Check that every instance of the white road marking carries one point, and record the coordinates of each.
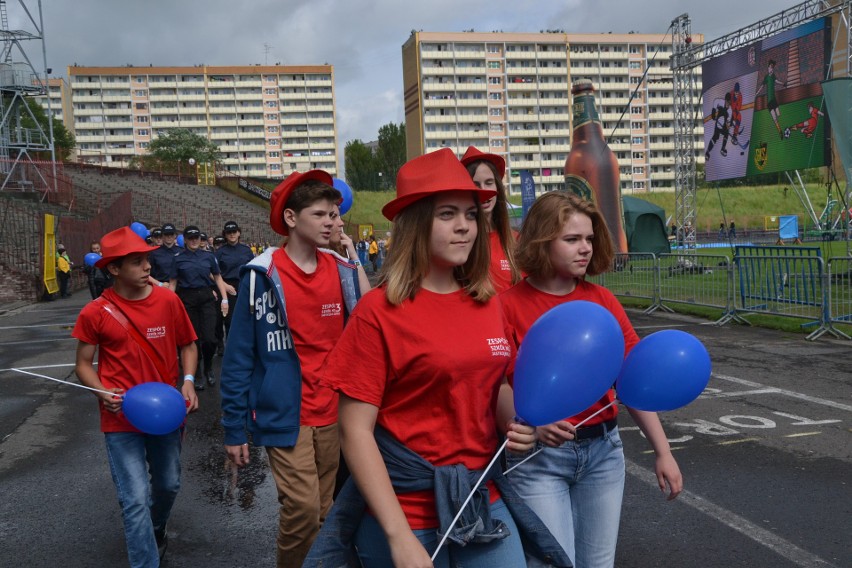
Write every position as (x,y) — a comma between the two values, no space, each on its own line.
(70,324)
(793,394)
(38,367)
(730,519)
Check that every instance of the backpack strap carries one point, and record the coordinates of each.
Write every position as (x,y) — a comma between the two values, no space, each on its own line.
(135,335)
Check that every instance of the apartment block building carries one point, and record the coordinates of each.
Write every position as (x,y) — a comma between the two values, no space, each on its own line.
(268,120)
(58,100)
(509,94)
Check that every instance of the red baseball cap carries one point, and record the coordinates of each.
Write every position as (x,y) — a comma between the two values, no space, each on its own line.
(429,174)
(473,155)
(120,243)
(282,193)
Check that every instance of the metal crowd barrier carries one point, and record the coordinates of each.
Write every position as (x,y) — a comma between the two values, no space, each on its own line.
(779,281)
(840,292)
(633,275)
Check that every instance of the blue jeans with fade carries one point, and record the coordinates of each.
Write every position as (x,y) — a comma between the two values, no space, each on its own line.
(374,552)
(576,489)
(146,473)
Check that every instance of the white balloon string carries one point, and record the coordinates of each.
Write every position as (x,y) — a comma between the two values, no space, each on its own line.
(535,453)
(469,497)
(66,382)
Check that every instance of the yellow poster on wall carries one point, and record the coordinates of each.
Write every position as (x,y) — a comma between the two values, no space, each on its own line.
(49,255)
(206,174)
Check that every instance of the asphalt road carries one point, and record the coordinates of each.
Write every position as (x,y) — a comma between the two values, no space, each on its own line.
(765,454)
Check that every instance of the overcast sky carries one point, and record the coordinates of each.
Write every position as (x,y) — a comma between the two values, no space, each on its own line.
(361,38)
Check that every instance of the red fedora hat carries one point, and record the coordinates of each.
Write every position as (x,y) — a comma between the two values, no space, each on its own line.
(282,193)
(473,155)
(429,174)
(119,243)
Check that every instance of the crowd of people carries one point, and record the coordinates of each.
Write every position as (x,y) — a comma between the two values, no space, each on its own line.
(371,460)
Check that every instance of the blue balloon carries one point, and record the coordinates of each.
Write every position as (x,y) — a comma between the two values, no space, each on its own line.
(664,371)
(154,408)
(179,240)
(140,229)
(568,360)
(346,192)
(91,258)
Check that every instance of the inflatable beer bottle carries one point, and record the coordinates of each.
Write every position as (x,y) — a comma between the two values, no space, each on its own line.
(591,168)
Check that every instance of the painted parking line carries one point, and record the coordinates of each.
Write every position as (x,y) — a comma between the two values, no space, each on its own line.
(800,434)
(730,519)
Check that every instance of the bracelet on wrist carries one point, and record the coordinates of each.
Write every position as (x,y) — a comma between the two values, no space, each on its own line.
(224,302)
(189,378)
(356,262)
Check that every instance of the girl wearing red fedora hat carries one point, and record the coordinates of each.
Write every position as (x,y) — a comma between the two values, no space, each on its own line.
(424,395)
(487,171)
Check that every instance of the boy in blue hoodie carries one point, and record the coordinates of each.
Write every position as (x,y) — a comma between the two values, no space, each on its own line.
(290,312)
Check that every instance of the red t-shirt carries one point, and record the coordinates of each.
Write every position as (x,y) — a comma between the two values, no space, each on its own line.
(160,318)
(433,367)
(523,305)
(501,271)
(314,305)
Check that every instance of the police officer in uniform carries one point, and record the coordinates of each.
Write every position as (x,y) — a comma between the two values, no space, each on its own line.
(157,237)
(193,272)
(232,256)
(163,258)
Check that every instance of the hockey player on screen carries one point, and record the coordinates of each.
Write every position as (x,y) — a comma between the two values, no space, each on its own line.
(769,81)
(720,115)
(807,126)
(736,113)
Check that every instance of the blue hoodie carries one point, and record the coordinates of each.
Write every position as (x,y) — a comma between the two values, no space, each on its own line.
(261,376)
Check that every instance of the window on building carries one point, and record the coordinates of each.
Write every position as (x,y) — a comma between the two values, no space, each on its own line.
(140,93)
(143,132)
(272,129)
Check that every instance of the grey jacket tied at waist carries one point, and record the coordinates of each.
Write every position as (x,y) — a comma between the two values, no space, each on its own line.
(408,471)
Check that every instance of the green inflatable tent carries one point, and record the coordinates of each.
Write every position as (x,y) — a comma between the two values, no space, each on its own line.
(645,225)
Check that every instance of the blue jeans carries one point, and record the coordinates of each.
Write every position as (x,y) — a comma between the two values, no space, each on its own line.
(576,490)
(374,552)
(146,473)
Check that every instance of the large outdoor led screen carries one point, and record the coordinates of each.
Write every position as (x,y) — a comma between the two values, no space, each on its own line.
(763,106)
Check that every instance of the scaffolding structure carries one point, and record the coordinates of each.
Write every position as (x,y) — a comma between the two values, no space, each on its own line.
(686,57)
(21,135)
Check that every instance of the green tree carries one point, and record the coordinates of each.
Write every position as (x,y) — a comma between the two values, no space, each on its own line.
(178,145)
(390,153)
(361,170)
(63,139)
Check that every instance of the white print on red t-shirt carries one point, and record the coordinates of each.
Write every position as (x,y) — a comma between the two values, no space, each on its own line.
(504,265)
(278,340)
(330,310)
(499,347)
(155,332)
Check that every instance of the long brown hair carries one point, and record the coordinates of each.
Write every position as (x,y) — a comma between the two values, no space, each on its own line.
(544,223)
(409,259)
(500,218)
